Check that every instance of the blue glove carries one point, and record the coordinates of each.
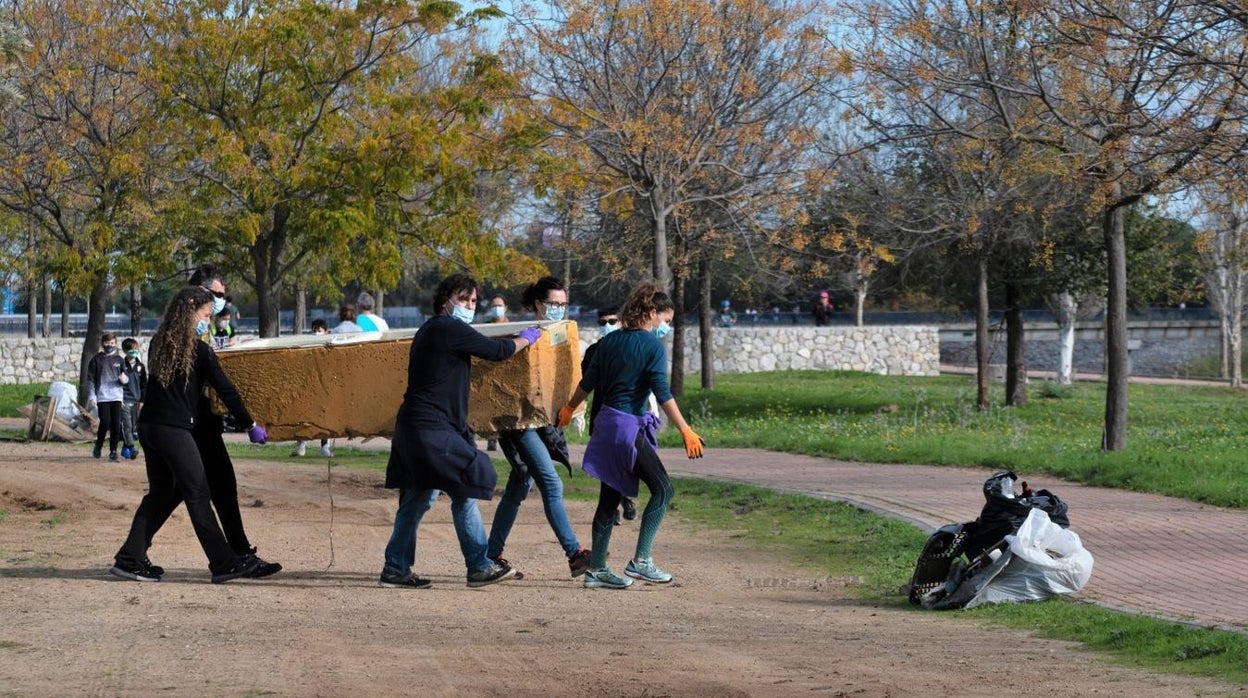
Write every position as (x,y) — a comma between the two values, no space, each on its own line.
(257,434)
(530,334)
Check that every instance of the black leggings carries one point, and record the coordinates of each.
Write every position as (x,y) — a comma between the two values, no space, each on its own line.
(110,422)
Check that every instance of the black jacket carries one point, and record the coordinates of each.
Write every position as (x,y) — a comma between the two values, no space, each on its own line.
(176,405)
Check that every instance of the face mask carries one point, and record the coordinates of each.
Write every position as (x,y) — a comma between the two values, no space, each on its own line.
(608,329)
(497,311)
(555,313)
(201,327)
(110,348)
(133,353)
(462,313)
(218,304)
(662,330)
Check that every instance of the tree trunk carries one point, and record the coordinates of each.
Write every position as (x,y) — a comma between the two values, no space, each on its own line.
(266,256)
(47,307)
(301,309)
(32,311)
(64,312)
(678,337)
(1114,437)
(658,226)
(981,335)
(704,322)
(860,300)
(1067,306)
(1235,333)
(1015,348)
(136,310)
(380,301)
(97,308)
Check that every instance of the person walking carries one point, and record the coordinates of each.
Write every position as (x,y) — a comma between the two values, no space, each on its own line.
(106,390)
(432,449)
(608,322)
(208,431)
(181,366)
(627,366)
(134,378)
(530,453)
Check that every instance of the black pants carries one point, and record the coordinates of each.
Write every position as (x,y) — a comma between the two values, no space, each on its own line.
(175,474)
(650,471)
(110,423)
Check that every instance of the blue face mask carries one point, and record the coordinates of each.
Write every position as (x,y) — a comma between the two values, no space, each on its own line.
(662,330)
(608,329)
(201,327)
(218,304)
(497,311)
(555,312)
(462,313)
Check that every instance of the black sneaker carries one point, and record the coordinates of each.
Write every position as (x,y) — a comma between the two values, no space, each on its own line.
(502,562)
(245,567)
(491,575)
(154,569)
(139,572)
(265,569)
(630,509)
(391,580)
(579,562)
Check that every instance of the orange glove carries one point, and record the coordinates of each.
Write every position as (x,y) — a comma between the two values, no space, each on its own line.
(693,442)
(565,416)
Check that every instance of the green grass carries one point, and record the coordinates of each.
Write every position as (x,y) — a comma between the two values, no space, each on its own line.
(14,396)
(1185,441)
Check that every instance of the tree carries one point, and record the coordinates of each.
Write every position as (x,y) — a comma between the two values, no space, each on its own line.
(80,150)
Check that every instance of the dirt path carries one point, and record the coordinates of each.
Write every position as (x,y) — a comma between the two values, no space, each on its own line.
(735,623)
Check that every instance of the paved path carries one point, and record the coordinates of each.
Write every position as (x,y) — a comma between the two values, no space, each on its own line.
(1154,555)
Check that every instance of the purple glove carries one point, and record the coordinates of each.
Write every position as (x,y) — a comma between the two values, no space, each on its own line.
(257,434)
(530,334)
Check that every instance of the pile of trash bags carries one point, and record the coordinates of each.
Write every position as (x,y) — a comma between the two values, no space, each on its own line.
(1020,548)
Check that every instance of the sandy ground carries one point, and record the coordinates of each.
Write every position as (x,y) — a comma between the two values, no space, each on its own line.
(737,622)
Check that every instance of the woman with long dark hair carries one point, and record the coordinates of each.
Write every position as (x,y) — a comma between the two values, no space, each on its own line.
(627,366)
(180,365)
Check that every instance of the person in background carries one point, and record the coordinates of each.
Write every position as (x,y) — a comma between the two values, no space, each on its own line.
(181,366)
(233,316)
(532,454)
(628,366)
(726,317)
(498,310)
(105,390)
(346,320)
(208,429)
(608,322)
(823,310)
(301,447)
(223,336)
(366,318)
(134,378)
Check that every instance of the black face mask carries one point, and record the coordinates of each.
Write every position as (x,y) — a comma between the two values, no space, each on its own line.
(110,348)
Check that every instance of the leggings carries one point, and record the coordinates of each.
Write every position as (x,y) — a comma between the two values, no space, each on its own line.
(650,470)
(110,422)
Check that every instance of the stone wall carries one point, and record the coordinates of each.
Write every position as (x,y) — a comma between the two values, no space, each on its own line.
(896,350)
(39,360)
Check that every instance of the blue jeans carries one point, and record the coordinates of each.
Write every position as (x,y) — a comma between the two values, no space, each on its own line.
(401,550)
(542,471)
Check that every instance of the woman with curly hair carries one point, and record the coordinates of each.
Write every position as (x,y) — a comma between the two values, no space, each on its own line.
(179,367)
(627,366)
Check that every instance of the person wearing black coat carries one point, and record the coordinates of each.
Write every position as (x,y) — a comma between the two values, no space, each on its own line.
(433,449)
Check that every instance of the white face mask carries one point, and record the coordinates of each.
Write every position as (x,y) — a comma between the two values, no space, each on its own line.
(497,311)
(462,313)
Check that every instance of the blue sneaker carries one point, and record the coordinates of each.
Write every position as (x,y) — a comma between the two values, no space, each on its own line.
(647,572)
(605,579)
(125,452)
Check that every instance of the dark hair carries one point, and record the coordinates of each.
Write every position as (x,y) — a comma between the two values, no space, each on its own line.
(106,337)
(538,291)
(450,287)
(129,343)
(607,310)
(225,314)
(645,298)
(319,324)
(172,349)
(204,275)
(346,313)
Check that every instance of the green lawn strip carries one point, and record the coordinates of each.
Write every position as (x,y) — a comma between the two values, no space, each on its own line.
(15,395)
(835,540)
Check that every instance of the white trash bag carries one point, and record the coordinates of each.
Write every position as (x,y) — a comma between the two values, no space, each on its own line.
(1042,560)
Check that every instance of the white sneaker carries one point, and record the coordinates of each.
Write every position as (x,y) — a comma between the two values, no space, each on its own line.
(326,452)
(300,448)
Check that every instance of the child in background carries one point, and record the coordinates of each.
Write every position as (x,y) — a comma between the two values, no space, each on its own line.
(134,380)
(104,390)
(224,334)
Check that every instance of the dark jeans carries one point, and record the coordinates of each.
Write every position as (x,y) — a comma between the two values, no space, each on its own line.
(110,422)
(175,474)
(222,482)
